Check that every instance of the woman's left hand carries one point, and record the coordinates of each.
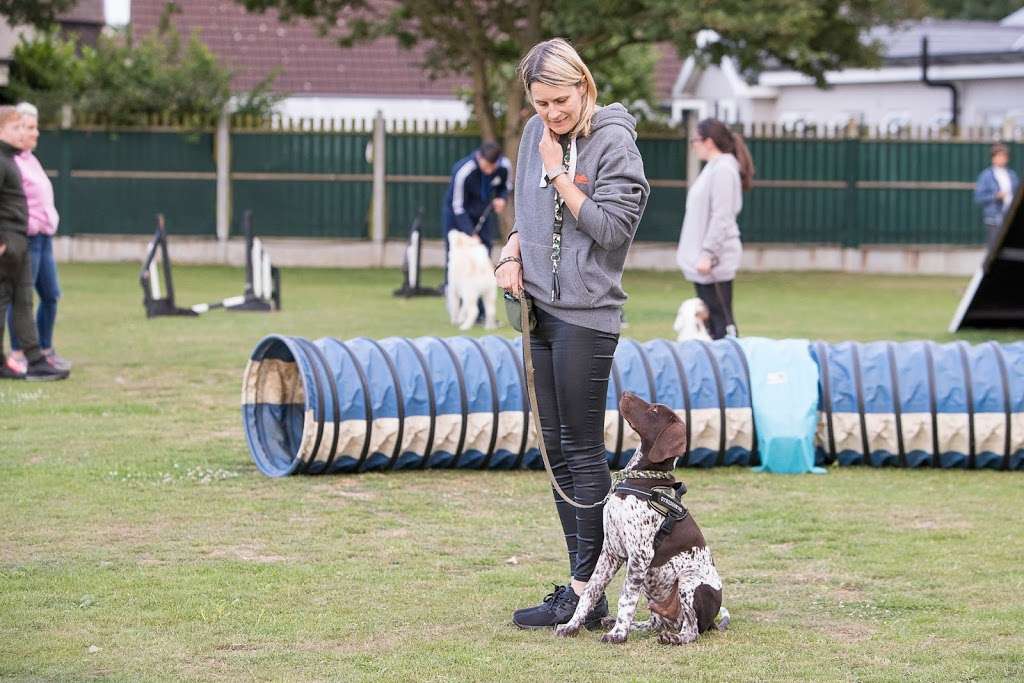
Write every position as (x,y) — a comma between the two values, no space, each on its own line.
(550,151)
(704,264)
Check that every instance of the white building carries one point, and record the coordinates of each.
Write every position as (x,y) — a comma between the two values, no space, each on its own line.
(983,60)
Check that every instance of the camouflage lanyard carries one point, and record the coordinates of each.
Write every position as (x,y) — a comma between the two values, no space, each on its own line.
(556,228)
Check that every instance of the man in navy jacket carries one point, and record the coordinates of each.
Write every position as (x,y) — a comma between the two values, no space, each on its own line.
(479,181)
(994,191)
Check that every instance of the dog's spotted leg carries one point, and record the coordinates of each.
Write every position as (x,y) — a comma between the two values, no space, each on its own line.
(636,570)
(687,632)
(607,565)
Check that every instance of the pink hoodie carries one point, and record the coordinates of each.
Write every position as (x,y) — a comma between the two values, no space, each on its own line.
(42,214)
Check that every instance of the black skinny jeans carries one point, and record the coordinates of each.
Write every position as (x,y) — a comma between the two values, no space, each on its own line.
(571,366)
(719,309)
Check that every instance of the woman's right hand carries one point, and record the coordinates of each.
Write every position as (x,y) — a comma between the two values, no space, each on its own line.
(510,274)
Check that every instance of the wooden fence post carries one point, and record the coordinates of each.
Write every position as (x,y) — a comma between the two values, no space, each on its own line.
(377,226)
(64,172)
(222,143)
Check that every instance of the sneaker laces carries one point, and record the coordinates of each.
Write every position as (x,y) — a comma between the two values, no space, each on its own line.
(555,596)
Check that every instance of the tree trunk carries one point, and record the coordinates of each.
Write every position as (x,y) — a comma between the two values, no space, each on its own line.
(482,102)
(511,135)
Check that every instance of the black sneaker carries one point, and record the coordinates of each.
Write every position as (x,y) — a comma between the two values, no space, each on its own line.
(42,370)
(557,608)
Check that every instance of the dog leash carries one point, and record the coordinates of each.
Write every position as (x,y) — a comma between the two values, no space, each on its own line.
(535,412)
(531,390)
(483,219)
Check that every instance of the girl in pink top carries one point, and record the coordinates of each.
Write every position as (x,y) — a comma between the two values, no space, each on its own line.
(42,225)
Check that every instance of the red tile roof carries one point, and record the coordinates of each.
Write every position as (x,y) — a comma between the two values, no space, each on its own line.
(85,12)
(253,44)
(666,71)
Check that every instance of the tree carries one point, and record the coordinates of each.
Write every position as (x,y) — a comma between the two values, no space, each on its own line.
(484,39)
(982,10)
(38,13)
(126,82)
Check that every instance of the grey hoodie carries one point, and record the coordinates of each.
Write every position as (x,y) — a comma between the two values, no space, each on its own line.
(610,172)
(709,224)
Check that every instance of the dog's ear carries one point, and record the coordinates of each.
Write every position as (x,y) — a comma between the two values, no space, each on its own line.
(669,444)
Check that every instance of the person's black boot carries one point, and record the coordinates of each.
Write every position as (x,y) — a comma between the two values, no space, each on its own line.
(42,370)
(557,608)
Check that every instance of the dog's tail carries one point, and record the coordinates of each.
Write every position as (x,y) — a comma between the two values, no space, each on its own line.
(722,620)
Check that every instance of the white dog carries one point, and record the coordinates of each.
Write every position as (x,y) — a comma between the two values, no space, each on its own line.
(691,321)
(470,277)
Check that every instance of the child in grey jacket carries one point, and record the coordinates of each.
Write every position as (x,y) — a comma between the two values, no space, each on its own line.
(709,242)
(580,193)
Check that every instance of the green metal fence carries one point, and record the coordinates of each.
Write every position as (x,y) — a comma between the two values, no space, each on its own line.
(301,183)
(113,182)
(318,183)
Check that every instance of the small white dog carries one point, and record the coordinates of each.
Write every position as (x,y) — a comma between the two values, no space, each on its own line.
(470,277)
(691,321)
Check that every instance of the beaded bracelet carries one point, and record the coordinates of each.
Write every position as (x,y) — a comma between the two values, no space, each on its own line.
(508,259)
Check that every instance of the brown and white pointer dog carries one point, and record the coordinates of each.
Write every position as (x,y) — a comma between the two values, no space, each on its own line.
(679,580)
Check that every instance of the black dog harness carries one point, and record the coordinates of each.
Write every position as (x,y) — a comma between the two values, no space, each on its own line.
(665,500)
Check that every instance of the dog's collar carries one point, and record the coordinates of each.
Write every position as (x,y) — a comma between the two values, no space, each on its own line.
(623,475)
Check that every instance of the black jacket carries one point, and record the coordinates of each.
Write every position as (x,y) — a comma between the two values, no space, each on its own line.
(13,205)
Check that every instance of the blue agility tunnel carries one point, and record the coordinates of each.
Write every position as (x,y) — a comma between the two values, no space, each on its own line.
(920,403)
(365,405)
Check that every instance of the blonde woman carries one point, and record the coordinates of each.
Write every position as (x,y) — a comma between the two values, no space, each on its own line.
(580,194)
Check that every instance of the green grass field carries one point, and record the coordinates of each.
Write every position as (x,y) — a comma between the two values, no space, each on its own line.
(139,542)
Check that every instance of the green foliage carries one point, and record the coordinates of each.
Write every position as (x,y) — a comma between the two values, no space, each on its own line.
(46,72)
(982,10)
(484,39)
(122,82)
(39,13)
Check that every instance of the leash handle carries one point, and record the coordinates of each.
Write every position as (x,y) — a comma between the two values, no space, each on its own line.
(535,412)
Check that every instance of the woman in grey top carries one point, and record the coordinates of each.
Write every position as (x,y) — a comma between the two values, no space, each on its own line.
(579,175)
(709,242)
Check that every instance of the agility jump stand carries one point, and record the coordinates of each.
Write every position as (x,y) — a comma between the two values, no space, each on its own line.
(159,302)
(262,279)
(411,264)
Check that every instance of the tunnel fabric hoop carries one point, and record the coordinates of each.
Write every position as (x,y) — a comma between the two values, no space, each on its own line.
(364,405)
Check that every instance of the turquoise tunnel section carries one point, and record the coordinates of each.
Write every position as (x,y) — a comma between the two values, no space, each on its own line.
(365,405)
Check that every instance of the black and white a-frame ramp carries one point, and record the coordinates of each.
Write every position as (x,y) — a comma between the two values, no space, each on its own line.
(995,295)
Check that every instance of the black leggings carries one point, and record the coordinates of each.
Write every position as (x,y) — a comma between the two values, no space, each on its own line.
(719,309)
(571,365)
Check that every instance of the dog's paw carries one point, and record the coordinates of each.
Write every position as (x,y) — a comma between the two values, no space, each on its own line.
(613,636)
(566,630)
(608,621)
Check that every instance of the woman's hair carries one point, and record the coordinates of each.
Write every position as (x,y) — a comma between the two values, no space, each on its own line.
(27,109)
(999,148)
(8,114)
(729,142)
(554,62)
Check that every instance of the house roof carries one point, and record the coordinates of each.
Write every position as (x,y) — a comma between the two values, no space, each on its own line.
(666,71)
(949,39)
(310,64)
(84,12)
(253,44)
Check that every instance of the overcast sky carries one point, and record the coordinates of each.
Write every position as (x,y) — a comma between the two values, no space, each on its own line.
(117,11)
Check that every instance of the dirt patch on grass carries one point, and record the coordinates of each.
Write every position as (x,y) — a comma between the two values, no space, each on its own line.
(246,553)
(921,521)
